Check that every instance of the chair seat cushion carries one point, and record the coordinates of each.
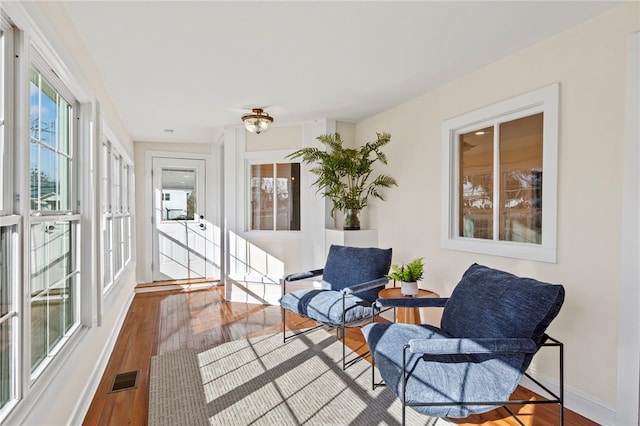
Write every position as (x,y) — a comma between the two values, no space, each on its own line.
(440,378)
(326,306)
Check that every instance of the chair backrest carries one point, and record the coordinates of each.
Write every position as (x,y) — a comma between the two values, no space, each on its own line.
(492,303)
(347,266)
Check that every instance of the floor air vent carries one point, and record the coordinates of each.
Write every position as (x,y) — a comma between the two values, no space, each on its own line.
(124,381)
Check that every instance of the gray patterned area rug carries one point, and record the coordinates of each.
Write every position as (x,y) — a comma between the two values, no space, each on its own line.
(261,381)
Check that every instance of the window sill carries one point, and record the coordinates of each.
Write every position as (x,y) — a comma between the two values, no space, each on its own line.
(535,252)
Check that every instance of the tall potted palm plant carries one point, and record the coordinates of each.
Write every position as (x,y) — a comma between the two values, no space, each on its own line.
(344,175)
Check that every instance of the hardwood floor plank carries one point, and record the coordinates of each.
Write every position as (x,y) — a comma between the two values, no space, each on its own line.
(167,321)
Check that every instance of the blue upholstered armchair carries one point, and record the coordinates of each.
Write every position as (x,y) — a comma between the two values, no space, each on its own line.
(351,280)
(492,326)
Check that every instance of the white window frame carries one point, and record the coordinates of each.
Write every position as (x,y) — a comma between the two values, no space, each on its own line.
(115,202)
(13,316)
(13,257)
(6,88)
(544,100)
(71,216)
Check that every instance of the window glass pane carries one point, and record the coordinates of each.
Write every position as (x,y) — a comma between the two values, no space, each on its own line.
(48,112)
(262,197)
(116,195)
(34,97)
(69,303)
(5,263)
(104,196)
(476,184)
(178,194)
(117,245)
(125,188)
(126,237)
(7,327)
(55,317)
(35,175)
(107,252)
(48,197)
(51,273)
(64,183)
(58,251)
(39,270)
(50,159)
(63,127)
(521,180)
(6,373)
(38,328)
(288,197)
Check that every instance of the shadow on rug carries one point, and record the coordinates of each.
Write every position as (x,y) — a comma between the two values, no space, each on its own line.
(261,381)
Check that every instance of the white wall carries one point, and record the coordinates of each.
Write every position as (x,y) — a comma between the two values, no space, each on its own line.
(589,62)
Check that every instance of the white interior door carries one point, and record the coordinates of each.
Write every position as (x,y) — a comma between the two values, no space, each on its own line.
(181,238)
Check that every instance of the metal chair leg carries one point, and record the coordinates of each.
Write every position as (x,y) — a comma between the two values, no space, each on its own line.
(284,325)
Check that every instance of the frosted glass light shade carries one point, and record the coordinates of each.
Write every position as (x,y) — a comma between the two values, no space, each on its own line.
(257,121)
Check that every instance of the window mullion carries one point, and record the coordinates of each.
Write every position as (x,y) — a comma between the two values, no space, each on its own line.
(496,182)
(274,195)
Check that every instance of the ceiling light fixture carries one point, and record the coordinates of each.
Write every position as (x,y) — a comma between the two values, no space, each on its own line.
(257,121)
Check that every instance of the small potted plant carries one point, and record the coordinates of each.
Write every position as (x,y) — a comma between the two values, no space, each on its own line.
(408,275)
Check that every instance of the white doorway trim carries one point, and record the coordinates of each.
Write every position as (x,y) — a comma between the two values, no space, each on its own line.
(182,245)
(212,200)
(628,394)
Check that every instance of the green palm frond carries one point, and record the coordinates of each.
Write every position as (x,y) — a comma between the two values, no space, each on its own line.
(343,174)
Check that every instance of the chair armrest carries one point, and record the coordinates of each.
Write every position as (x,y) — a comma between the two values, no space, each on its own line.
(412,302)
(357,288)
(472,346)
(304,275)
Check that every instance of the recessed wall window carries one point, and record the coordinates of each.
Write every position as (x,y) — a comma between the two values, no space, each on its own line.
(516,173)
(275,197)
(500,177)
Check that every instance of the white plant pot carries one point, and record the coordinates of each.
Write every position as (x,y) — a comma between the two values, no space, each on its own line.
(409,288)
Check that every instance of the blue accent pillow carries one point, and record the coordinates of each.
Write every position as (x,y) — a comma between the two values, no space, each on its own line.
(347,266)
(492,303)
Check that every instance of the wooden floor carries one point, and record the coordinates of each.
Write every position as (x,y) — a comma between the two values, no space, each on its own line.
(167,321)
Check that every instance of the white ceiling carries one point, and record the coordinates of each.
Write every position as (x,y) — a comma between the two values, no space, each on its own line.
(195,67)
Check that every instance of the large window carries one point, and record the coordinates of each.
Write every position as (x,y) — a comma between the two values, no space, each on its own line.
(501,178)
(9,234)
(275,197)
(54,266)
(512,152)
(116,214)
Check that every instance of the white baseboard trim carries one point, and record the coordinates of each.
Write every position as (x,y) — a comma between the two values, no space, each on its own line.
(575,400)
